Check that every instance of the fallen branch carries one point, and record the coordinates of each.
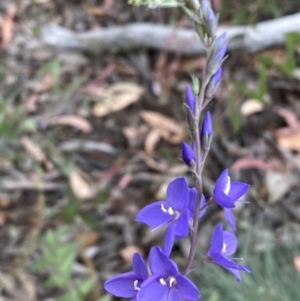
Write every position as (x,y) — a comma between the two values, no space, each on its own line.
(29,185)
(156,36)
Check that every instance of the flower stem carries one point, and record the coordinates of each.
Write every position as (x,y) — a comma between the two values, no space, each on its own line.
(199,188)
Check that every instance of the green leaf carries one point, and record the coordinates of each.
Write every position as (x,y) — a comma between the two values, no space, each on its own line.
(56,280)
(84,286)
(214,297)
(80,290)
(106,297)
(28,125)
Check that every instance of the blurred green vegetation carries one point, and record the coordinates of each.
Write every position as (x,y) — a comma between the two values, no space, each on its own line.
(273,278)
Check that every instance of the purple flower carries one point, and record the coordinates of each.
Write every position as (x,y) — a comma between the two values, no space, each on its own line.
(166,283)
(188,154)
(127,285)
(190,99)
(226,193)
(206,131)
(173,212)
(213,83)
(223,244)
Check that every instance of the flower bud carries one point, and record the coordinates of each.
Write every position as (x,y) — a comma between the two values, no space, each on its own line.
(211,23)
(206,131)
(190,98)
(188,154)
(219,48)
(213,83)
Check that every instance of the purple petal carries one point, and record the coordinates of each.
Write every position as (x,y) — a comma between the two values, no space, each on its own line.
(178,194)
(202,204)
(207,127)
(169,240)
(236,273)
(187,289)
(139,266)
(221,182)
(190,98)
(122,285)
(227,263)
(237,190)
(229,243)
(188,154)
(152,289)
(222,199)
(230,218)
(154,215)
(217,240)
(192,200)
(181,228)
(173,295)
(161,264)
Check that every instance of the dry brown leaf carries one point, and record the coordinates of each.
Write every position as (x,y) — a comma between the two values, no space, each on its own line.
(28,285)
(297,263)
(178,169)
(278,184)
(31,103)
(251,106)
(118,97)
(151,141)
(33,149)
(132,132)
(44,85)
(249,162)
(77,122)
(87,239)
(80,186)
(7,29)
(169,129)
(98,11)
(191,65)
(36,152)
(2,218)
(153,164)
(162,191)
(5,202)
(289,116)
(289,140)
(125,181)
(128,252)
(123,68)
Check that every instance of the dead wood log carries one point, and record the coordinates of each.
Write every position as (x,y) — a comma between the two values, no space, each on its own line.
(251,38)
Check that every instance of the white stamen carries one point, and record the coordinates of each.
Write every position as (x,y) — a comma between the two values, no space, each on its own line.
(135,285)
(224,247)
(162,281)
(163,209)
(171,211)
(227,188)
(172,280)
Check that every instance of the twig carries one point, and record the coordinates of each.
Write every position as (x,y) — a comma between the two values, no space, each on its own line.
(251,38)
